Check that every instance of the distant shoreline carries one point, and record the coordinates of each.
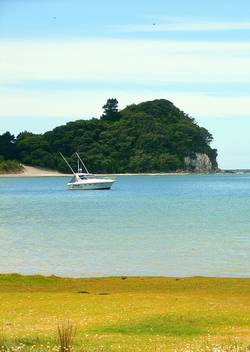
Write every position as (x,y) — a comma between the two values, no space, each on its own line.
(30,171)
(56,174)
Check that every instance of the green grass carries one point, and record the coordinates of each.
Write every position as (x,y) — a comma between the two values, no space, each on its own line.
(178,325)
(124,314)
(9,166)
(160,325)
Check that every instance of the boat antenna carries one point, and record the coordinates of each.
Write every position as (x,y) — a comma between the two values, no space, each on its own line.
(78,156)
(67,163)
(78,165)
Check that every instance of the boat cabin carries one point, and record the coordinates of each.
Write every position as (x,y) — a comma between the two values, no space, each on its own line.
(82,176)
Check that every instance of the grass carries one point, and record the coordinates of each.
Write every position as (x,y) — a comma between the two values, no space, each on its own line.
(9,166)
(124,314)
(65,332)
(161,325)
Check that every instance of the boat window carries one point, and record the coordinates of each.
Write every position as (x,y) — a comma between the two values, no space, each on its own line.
(73,179)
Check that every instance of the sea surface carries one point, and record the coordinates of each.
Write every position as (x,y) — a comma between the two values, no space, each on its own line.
(145,225)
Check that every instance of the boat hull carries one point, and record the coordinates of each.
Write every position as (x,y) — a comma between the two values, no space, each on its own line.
(93,186)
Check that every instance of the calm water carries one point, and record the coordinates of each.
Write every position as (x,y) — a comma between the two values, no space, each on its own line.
(146,225)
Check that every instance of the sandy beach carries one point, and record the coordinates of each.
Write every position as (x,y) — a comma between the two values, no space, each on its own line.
(30,171)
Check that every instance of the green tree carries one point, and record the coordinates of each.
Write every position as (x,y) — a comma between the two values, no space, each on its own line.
(7,146)
(110,110)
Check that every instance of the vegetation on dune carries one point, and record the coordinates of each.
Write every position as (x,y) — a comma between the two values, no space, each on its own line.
(124,314)
(153,136)
(9,166)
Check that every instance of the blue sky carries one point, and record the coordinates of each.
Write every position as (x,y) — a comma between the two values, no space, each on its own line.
(60,61)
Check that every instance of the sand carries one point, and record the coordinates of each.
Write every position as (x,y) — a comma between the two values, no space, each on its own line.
(30,171)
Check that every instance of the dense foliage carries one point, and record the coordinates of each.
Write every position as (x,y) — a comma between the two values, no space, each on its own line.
(8,152)
(153,136)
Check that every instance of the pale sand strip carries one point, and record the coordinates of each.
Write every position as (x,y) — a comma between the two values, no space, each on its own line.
(30,171)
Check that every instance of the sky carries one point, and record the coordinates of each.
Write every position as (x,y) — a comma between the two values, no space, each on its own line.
(60,60)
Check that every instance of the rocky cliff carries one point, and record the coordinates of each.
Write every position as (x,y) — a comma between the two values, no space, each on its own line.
(200,163)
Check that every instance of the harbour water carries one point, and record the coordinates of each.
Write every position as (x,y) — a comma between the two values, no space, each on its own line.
(145,225)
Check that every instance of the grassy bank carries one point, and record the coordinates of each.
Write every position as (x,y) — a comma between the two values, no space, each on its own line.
(125,314)
(10,166)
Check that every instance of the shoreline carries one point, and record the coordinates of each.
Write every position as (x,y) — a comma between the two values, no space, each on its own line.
(30,171)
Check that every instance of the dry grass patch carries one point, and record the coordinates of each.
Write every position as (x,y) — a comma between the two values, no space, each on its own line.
(66,332)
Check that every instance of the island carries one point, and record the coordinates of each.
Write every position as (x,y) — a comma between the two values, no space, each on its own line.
(150,137)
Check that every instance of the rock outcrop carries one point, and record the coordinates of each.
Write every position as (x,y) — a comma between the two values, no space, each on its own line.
(200,164)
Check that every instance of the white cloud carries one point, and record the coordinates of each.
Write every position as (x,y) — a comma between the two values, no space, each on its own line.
(85,104)
(125,60)
(120,61)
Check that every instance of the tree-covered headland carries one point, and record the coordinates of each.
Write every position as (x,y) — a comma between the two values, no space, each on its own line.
(153,136)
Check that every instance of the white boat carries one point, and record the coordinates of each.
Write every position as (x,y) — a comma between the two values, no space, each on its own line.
(86,181)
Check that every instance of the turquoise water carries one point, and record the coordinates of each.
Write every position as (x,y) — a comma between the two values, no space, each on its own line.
(146,225)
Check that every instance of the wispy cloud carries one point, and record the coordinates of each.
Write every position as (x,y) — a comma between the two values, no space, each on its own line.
(85,104)
(127,62)
(183,25)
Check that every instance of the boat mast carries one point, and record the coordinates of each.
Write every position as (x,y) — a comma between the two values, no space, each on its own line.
(78,156)
(67,163)
(78,165)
